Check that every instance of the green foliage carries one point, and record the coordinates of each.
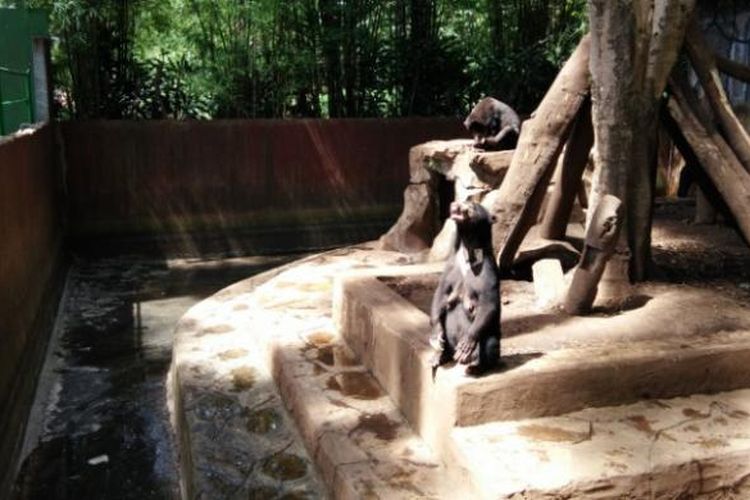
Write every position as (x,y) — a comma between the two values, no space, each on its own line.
(146,59)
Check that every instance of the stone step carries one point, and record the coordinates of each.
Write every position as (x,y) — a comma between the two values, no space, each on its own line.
(267,402)
(361,443)
(693,447)
(263,387)
(670,344)
(260,346)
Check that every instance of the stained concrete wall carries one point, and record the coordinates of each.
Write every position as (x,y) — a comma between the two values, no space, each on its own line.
(30,277)
(240,186)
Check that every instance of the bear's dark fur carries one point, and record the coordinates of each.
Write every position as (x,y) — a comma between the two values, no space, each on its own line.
(465,313)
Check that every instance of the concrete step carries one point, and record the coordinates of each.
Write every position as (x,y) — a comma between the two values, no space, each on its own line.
(671,343)
(694,447)
(361,443)
(262,388)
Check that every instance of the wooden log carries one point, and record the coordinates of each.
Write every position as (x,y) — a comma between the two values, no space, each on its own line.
(700,177)
(708,74)
(732,68)
(715,157)
(705,213)
(542,137)
(568,177)
(601,239)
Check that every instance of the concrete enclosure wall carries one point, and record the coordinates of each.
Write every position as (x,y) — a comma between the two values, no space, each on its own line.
(248,186)
(30,276)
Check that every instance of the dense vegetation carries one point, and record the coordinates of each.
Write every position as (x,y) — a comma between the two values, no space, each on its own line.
(317,58)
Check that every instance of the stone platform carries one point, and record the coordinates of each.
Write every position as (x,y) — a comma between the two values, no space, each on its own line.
(266,391)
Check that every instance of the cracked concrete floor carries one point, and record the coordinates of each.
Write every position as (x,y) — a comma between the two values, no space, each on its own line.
(99,426)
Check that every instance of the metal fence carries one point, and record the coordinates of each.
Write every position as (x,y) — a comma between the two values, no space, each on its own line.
(25,101)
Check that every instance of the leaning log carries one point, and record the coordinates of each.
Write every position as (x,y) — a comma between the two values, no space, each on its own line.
(715,157)
(568,177)
(732,68)
(708,75)
(542,137)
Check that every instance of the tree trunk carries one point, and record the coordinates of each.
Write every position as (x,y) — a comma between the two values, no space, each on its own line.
(420,57)
(350,48)
(330,16)
(497,34)
(633,48)
(542,137)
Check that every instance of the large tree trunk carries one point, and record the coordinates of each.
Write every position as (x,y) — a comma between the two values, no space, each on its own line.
(634,45)
(542,137)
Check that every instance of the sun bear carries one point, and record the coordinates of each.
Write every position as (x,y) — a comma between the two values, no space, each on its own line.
(493,124)
(465,312)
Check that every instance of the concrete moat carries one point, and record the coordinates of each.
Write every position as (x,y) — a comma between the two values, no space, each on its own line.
(100,426)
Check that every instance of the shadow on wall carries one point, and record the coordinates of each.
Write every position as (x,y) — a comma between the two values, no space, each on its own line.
(239,187)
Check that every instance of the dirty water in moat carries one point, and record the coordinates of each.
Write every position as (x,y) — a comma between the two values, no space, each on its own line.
(100,427)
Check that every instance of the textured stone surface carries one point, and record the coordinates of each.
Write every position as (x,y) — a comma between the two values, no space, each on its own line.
(667,345)
(265,351)
(549,282)
(418,222)
(474,174)
(696,447)
(669,339)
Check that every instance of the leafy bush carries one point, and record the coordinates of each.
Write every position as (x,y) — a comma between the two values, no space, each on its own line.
(147,59)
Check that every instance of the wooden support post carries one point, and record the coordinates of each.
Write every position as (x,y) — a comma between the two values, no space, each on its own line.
(542,137)
(733,68)
(705,213)
(715,157)
(708,74)
(568,177)
(601,239)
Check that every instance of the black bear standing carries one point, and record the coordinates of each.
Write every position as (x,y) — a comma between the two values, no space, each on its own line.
(465,313)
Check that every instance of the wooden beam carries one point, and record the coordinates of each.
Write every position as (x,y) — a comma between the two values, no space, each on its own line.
(541,140)
(715,157)
(708,74)
(732,68)
(568,177)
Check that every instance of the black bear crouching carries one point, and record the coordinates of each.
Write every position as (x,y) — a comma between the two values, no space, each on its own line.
(493,124)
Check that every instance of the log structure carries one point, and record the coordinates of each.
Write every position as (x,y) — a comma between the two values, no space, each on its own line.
(705,67)
(568,177)
(713,154)
(542,138)
(611,92)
